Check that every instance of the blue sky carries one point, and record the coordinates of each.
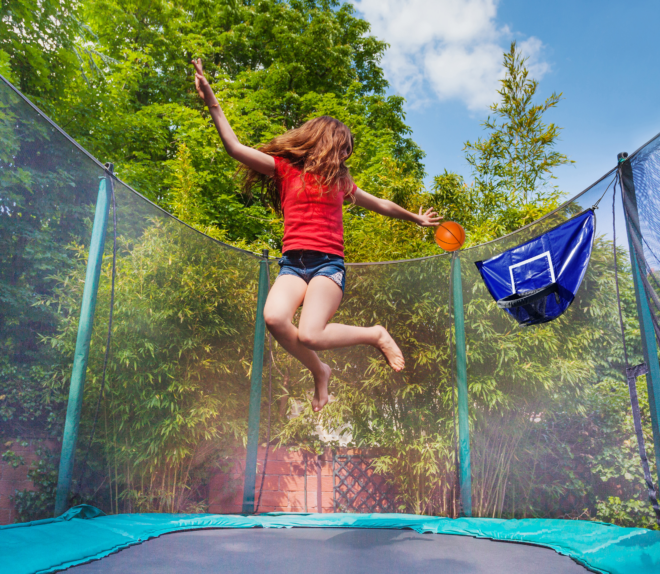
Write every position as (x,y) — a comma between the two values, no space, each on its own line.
(445,58)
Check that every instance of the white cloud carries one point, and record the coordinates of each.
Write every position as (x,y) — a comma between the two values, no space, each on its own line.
(532,48)
(445,49)
(468,73)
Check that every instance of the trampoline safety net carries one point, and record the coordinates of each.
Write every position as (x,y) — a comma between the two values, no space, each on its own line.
(551,430)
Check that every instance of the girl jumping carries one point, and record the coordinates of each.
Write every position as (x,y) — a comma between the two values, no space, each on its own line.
(306,180)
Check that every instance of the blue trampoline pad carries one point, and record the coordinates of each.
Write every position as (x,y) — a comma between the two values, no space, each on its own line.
(325,542)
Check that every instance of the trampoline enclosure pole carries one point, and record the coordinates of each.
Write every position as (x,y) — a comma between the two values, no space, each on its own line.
(649,344)
(650,350)
(85,325)
(464,473)
(255,390)
(319,483)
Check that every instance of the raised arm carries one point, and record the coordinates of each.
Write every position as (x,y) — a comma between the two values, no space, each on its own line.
(258,161)
(428,218)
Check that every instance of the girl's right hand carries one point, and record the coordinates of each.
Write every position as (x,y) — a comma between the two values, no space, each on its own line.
(254,159)
(201,83)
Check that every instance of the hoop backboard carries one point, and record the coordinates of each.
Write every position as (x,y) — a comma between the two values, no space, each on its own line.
(531,272)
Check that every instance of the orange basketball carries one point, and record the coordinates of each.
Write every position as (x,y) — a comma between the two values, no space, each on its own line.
(450,235)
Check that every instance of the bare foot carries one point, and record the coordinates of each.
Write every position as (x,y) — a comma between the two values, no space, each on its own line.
(321,389)
(390,350)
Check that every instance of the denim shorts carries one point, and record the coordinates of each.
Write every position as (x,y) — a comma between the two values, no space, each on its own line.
(308,264)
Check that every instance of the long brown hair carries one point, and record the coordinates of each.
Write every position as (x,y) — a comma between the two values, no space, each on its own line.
(318,147)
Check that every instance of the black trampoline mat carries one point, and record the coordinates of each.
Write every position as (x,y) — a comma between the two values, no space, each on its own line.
(331,551)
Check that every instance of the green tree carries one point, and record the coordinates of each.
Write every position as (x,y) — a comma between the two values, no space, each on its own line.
(37,41)
(274,64)
(44,47)
(513,166)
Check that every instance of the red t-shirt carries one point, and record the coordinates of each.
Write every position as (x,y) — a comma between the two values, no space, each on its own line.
(312,220)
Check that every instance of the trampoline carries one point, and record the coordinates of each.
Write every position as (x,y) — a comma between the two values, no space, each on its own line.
(329,551)
(282,542)
(163,431)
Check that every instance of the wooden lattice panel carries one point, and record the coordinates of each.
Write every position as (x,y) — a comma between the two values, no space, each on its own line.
(357,488)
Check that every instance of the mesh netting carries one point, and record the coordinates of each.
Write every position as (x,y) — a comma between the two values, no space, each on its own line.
(643,211)
(401,421)
(177,386)
(544,421)
(640,201)
(551,433)
(646,173)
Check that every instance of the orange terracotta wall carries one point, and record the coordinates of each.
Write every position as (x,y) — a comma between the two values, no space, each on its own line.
(283,484)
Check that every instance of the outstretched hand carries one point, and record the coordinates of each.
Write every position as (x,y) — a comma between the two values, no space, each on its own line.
(428,219)
(202,85)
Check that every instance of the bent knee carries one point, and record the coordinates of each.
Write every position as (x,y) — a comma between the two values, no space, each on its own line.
(311,339)
(275,321)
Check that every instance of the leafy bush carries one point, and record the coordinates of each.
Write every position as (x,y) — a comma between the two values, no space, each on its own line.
(632,513)
(40,502)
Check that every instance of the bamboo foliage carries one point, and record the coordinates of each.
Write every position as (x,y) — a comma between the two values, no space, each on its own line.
(547,412)
(177,382)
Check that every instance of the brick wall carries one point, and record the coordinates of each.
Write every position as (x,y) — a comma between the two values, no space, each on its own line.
(283,488)
(13,479)
(284,483)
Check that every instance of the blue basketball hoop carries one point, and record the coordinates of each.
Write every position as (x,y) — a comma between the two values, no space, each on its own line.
(537,281)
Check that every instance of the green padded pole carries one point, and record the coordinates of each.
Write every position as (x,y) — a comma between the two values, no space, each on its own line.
(650,349)
(255,390)
(464,473)
(649,343)
(70,437)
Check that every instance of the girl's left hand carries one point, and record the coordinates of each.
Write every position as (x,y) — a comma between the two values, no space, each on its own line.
(428,219)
